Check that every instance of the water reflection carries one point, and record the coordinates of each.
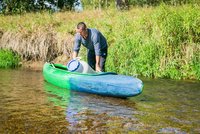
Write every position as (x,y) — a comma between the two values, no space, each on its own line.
(24,107)
(87,112)
(60,97)
(30,105)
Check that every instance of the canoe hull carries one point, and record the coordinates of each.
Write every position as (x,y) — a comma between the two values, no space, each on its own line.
(108,84)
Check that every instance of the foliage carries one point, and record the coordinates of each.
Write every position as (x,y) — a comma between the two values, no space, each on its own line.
(158,2)
(125,4)
(161,41)
(165,44)
(8,59)
(21,6)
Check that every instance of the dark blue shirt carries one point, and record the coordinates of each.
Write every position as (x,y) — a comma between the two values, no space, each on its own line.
(95,41)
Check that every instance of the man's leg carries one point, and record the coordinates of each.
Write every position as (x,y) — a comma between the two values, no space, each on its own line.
(91,59)
(103,59)
(102,63)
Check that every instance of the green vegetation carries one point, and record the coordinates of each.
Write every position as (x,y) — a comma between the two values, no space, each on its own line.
(23,6)
(164,43)
(153,42)
(8,59)
(128,4)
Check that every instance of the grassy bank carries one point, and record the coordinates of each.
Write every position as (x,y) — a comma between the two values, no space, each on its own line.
(8,59)
(153,42)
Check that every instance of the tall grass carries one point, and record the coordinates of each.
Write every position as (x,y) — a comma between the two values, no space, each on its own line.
(154,42)
(8,59)
(164,43)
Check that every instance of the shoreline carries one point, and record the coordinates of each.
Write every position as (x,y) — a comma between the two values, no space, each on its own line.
(38,65)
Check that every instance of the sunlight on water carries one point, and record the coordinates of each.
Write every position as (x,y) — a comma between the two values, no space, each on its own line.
(29,104)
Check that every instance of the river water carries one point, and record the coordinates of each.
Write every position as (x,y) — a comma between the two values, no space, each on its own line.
(28,104)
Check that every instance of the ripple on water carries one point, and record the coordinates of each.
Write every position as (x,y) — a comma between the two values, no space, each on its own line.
(30,105)
(100,113)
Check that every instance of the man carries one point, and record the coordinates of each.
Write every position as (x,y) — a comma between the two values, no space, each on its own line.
(95,43)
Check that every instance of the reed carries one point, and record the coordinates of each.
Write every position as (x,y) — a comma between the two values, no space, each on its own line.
(157,42)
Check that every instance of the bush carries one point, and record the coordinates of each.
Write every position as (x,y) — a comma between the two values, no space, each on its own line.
(8,59)
(165,43)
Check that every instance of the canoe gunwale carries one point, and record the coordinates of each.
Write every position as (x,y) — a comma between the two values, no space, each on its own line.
(62,68)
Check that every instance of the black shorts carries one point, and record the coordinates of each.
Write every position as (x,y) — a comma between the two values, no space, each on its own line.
(91,58)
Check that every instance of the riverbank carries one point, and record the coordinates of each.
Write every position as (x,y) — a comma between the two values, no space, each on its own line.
(38,65)
(159,42)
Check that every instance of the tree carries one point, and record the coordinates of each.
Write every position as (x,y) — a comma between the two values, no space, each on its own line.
(20,6)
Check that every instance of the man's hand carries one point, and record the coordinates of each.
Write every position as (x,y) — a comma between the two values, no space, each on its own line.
(98,69)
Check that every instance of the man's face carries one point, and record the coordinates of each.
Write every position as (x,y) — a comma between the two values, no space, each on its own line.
(82,32)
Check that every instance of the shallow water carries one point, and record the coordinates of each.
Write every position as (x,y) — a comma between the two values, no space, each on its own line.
(28,104)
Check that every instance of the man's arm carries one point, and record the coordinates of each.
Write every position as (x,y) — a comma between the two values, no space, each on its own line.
(75,54)
(96,41)
(97,66)
(77,45)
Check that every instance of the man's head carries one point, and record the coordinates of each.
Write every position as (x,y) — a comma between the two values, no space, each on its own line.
(82,29)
